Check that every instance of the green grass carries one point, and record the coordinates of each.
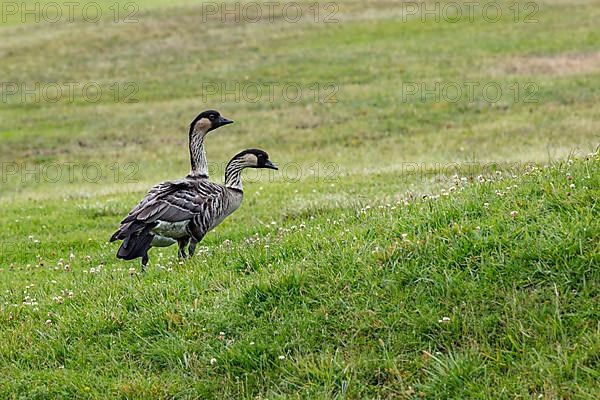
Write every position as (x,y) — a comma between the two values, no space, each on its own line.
(354,299)
(347,272)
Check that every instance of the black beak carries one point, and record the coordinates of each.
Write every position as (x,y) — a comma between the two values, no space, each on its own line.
(224,121)
(270,165)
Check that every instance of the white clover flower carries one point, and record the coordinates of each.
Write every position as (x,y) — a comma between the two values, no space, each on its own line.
(213,361)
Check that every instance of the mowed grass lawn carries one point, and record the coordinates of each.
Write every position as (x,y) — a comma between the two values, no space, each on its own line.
(414,244)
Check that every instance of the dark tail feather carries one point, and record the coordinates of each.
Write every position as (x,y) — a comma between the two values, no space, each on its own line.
(127,229)
(135,246)
(115,236)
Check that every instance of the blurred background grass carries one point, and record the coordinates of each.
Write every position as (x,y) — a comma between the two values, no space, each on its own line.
(173,54)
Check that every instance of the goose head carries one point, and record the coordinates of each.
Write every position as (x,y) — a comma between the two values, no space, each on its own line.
(208,121)
(254,158)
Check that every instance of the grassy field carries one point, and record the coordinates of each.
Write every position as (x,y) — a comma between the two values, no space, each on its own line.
(416,243)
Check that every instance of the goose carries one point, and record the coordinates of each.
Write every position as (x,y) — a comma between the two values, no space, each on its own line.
(200,126)
(185,210)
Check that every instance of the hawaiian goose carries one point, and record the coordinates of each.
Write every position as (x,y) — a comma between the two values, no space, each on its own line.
(184,211)
(204,123)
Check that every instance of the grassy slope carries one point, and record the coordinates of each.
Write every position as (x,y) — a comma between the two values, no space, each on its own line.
(351,297)
(355,316)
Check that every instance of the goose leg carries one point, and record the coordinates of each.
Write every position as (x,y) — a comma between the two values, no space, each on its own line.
(192,247)
(182,243)
(196,235)
(193,243)
(144,261)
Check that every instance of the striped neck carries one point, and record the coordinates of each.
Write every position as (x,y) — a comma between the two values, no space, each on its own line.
(233,174)
(199,164)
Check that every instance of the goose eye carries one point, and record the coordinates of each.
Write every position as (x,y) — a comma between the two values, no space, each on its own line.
(212,117)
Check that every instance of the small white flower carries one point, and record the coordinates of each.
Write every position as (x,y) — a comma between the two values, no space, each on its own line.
(444,320)
(572,186)
(213,361)
(282,357)
(486,205)
(514,214)
(48,322)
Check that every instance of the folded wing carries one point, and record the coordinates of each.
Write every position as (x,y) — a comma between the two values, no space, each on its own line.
(174,201)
